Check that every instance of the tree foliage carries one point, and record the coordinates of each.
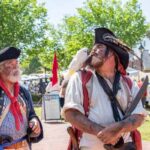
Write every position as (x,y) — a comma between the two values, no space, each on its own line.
(33,66)
(45,52)
(22,23)
(126,20)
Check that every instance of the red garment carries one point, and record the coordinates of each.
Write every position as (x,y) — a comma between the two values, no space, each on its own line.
(136,136)
(54,70)
(14,106)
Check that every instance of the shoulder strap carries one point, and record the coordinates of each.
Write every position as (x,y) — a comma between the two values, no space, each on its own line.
(111,95)
(86,76)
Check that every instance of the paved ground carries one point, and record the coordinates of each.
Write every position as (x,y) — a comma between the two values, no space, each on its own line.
(56,137)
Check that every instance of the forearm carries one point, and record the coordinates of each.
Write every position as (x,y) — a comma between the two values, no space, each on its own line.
(111,133)
(81,122)
(132,122)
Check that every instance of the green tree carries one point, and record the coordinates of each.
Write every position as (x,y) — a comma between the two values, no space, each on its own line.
(23,23)
(45,51)
(126,20)
(32,66)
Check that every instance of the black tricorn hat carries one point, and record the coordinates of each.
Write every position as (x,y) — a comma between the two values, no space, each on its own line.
(9,53)
(107,37)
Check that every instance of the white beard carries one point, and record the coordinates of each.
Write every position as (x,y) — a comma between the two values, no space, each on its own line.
(15,75)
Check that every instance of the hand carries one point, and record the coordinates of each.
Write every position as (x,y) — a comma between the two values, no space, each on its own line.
(35,127)
(110,134)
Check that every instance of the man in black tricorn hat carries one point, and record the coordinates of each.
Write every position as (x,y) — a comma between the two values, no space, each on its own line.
(110,93)
(19,125)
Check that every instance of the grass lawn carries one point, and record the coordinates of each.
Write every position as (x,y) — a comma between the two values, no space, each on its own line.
(38,111)
(144,129)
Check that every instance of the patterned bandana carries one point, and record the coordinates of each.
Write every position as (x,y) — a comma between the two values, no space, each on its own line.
(14,106)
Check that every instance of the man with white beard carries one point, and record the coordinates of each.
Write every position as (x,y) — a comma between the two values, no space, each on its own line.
(19,125)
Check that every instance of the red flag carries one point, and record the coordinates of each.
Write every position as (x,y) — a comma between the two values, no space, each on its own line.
(54,70)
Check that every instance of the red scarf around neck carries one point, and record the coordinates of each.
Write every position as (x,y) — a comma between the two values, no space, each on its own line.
(14,106)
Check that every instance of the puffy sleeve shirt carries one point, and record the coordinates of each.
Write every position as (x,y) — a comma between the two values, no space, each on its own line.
(100,110)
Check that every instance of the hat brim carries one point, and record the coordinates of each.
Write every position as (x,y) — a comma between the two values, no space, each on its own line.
(122,54)
(9,53)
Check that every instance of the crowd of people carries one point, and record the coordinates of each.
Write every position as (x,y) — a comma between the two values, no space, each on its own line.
(36,86)
(95,95)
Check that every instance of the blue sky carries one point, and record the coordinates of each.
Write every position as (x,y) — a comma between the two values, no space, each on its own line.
(57,9)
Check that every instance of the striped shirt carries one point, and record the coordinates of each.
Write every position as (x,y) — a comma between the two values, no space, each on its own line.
(8,125)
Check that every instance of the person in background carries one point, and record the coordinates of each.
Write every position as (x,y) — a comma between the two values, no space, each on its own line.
(19,124)
(62,92)
(42,87)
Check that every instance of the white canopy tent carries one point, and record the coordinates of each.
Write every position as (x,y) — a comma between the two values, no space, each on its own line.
(133,73)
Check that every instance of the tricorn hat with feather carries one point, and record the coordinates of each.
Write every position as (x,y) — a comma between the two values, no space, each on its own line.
(107,37)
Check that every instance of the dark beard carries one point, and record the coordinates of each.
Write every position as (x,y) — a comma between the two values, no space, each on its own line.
(96,62)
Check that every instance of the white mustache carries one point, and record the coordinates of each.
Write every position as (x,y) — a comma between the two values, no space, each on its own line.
(15,75)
